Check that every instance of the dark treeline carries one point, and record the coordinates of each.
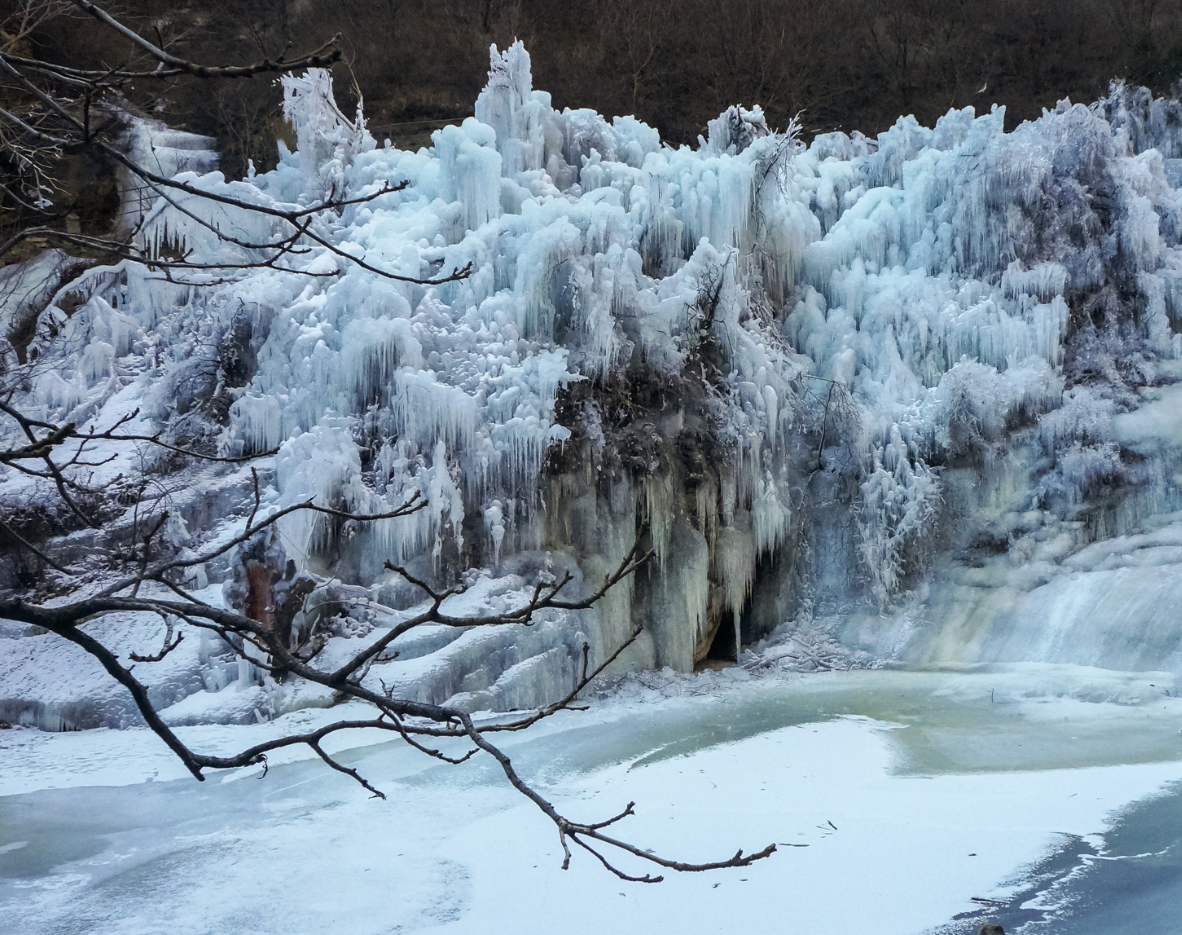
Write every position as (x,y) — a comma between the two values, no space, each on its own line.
(842,64)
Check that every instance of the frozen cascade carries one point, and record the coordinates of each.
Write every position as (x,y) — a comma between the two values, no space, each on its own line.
(923,387)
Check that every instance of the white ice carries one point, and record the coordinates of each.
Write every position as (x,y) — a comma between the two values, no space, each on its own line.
(912,792)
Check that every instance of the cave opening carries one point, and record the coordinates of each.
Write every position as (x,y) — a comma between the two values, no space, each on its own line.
(722,646)
(762,611)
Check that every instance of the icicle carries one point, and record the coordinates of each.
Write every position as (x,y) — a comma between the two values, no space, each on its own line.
(658,511)
(494,522)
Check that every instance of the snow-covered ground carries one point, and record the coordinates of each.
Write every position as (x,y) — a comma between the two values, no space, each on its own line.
(913,791)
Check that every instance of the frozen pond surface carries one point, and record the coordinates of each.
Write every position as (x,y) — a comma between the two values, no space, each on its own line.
(1127,881)
(1050,791)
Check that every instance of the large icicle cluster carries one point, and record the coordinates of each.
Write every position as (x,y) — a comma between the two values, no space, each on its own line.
(823,329)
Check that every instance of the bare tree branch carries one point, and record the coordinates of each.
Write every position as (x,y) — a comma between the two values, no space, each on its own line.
(169,645)
(62,124)
(56,114)
(322,57)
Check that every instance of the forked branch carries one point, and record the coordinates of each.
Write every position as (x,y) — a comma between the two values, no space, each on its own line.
(406,718)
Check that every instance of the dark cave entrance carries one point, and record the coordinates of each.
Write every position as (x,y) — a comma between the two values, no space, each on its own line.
(760,614)
(722,646)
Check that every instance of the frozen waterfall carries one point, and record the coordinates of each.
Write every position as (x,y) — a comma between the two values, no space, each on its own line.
(919,394)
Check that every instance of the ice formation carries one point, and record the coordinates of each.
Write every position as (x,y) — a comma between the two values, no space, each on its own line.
(809,375)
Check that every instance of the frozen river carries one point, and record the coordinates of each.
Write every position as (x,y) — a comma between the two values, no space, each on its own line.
(924,801)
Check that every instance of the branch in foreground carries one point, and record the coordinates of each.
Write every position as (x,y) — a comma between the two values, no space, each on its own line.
(61,123)
(577,831)
(327,54)
(409,719)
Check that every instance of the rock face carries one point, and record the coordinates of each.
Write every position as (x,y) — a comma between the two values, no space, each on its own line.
(911,391)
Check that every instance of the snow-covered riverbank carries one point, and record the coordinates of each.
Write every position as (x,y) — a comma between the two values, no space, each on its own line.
(914,793)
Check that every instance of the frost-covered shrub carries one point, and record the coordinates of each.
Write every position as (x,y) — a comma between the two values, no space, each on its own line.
(324,135)
(1085,418)
(975,406)
(734,130)
(900,503)
(1078,436)
(1079,468)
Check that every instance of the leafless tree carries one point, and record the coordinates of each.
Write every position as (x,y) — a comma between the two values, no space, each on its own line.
(58,111)
(151,581)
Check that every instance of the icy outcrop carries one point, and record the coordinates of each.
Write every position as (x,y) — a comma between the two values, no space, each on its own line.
(810,375)
(163,151)
(26,289)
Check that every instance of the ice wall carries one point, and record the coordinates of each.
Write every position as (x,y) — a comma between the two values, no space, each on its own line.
(810,376)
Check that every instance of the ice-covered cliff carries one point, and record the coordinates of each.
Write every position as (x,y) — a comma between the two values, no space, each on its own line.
(921,393)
